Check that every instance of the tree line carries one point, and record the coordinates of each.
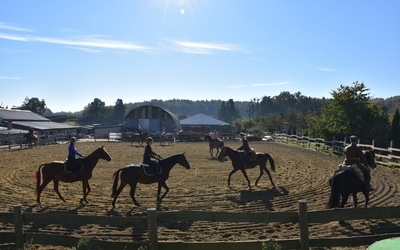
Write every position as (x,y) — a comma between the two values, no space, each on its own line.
(350,110)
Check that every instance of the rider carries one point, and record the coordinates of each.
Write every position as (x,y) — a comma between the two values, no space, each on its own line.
(30,133)
(148,155)
(215,135)
(245,148)
(354,155)
(72,152)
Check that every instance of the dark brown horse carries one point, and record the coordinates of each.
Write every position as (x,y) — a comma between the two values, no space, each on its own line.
(31,139)
(238,163)
(133,175)
(139,138)
(55,171)
(346,182)
(213,143)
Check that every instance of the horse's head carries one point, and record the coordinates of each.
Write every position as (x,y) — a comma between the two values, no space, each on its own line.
(103,154)
(222,153)
(183,161)
(207,137)
(370,155)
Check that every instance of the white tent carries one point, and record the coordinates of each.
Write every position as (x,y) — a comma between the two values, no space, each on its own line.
(202,120)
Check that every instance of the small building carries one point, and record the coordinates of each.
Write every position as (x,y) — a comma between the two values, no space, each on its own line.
(204,124)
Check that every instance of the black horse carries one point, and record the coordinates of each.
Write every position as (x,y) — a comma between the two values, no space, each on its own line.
(214,143)
(133,175)
(346,182)
(239,164)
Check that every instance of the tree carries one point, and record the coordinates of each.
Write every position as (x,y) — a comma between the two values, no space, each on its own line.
(95,110)
(350,112)
(33,104)
(394,133)
(119,110)
(228,112)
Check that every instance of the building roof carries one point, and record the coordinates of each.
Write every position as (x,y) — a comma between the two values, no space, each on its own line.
(45,125)
(20,115)
(202,119)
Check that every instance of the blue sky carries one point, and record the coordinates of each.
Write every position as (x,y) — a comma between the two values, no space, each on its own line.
(71,52)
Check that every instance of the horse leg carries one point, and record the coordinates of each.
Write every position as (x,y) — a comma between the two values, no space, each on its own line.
(121,186)
(56,182)
(366,194)
(268,173)
(86,190)
(245,175)
(132,194)
(355,200)
(230,174)
(345,197)
(46,181)
(164,185)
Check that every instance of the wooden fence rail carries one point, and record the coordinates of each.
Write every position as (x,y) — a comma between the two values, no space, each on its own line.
(384,156)
(155,218)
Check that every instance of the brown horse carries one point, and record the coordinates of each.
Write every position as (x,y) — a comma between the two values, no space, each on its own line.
(55,171)
(133,175)
(167,137)
(238,163)
(139,138)
(214,143)
(346,182)
(30,139)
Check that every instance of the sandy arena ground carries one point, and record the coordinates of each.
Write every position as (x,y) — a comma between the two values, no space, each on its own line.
(300,174)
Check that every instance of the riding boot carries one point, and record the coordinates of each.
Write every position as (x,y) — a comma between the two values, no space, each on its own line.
(367,176)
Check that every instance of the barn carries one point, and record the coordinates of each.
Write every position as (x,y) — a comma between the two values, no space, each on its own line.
(14,123)
(150,118)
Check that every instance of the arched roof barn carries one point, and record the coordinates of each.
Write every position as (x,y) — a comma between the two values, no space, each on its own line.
(150,118)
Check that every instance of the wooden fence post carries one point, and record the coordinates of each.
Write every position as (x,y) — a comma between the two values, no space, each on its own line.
(303,225)
(152,225)
(18,226)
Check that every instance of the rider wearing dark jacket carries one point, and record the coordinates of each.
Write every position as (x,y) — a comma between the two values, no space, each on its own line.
(149,155)
(245,148)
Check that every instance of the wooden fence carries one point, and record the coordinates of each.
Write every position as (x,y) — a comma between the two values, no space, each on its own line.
(384,156)
(302,217)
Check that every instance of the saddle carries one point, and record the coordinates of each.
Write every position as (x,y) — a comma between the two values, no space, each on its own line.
(354,168)
(73,167)
(150,170)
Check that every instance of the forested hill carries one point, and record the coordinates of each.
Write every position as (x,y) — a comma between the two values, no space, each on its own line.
(182,108)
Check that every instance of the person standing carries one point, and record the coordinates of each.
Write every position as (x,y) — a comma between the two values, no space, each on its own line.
(354,155)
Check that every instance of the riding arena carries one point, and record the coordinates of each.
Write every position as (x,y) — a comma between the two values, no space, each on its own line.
(300,174)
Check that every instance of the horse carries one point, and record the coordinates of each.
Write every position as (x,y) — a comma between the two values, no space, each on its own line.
(133,175)
(31,139)
(213,143)
(139,138)
(346,182)
(239,164)
(169,137)
(55,171)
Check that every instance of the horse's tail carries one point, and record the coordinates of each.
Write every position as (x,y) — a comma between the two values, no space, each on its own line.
(271,162)
(38,178)
(115,184)
(334,195)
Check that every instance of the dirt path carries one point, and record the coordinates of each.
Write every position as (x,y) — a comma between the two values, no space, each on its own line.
(300,174)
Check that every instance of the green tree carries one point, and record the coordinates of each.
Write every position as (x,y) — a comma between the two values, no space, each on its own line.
(394,132)
(35,105)
(350,112)
(119,110)
(94,111)
(228,112)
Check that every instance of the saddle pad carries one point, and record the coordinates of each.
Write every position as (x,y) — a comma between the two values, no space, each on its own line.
(353,168)
(148,170)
